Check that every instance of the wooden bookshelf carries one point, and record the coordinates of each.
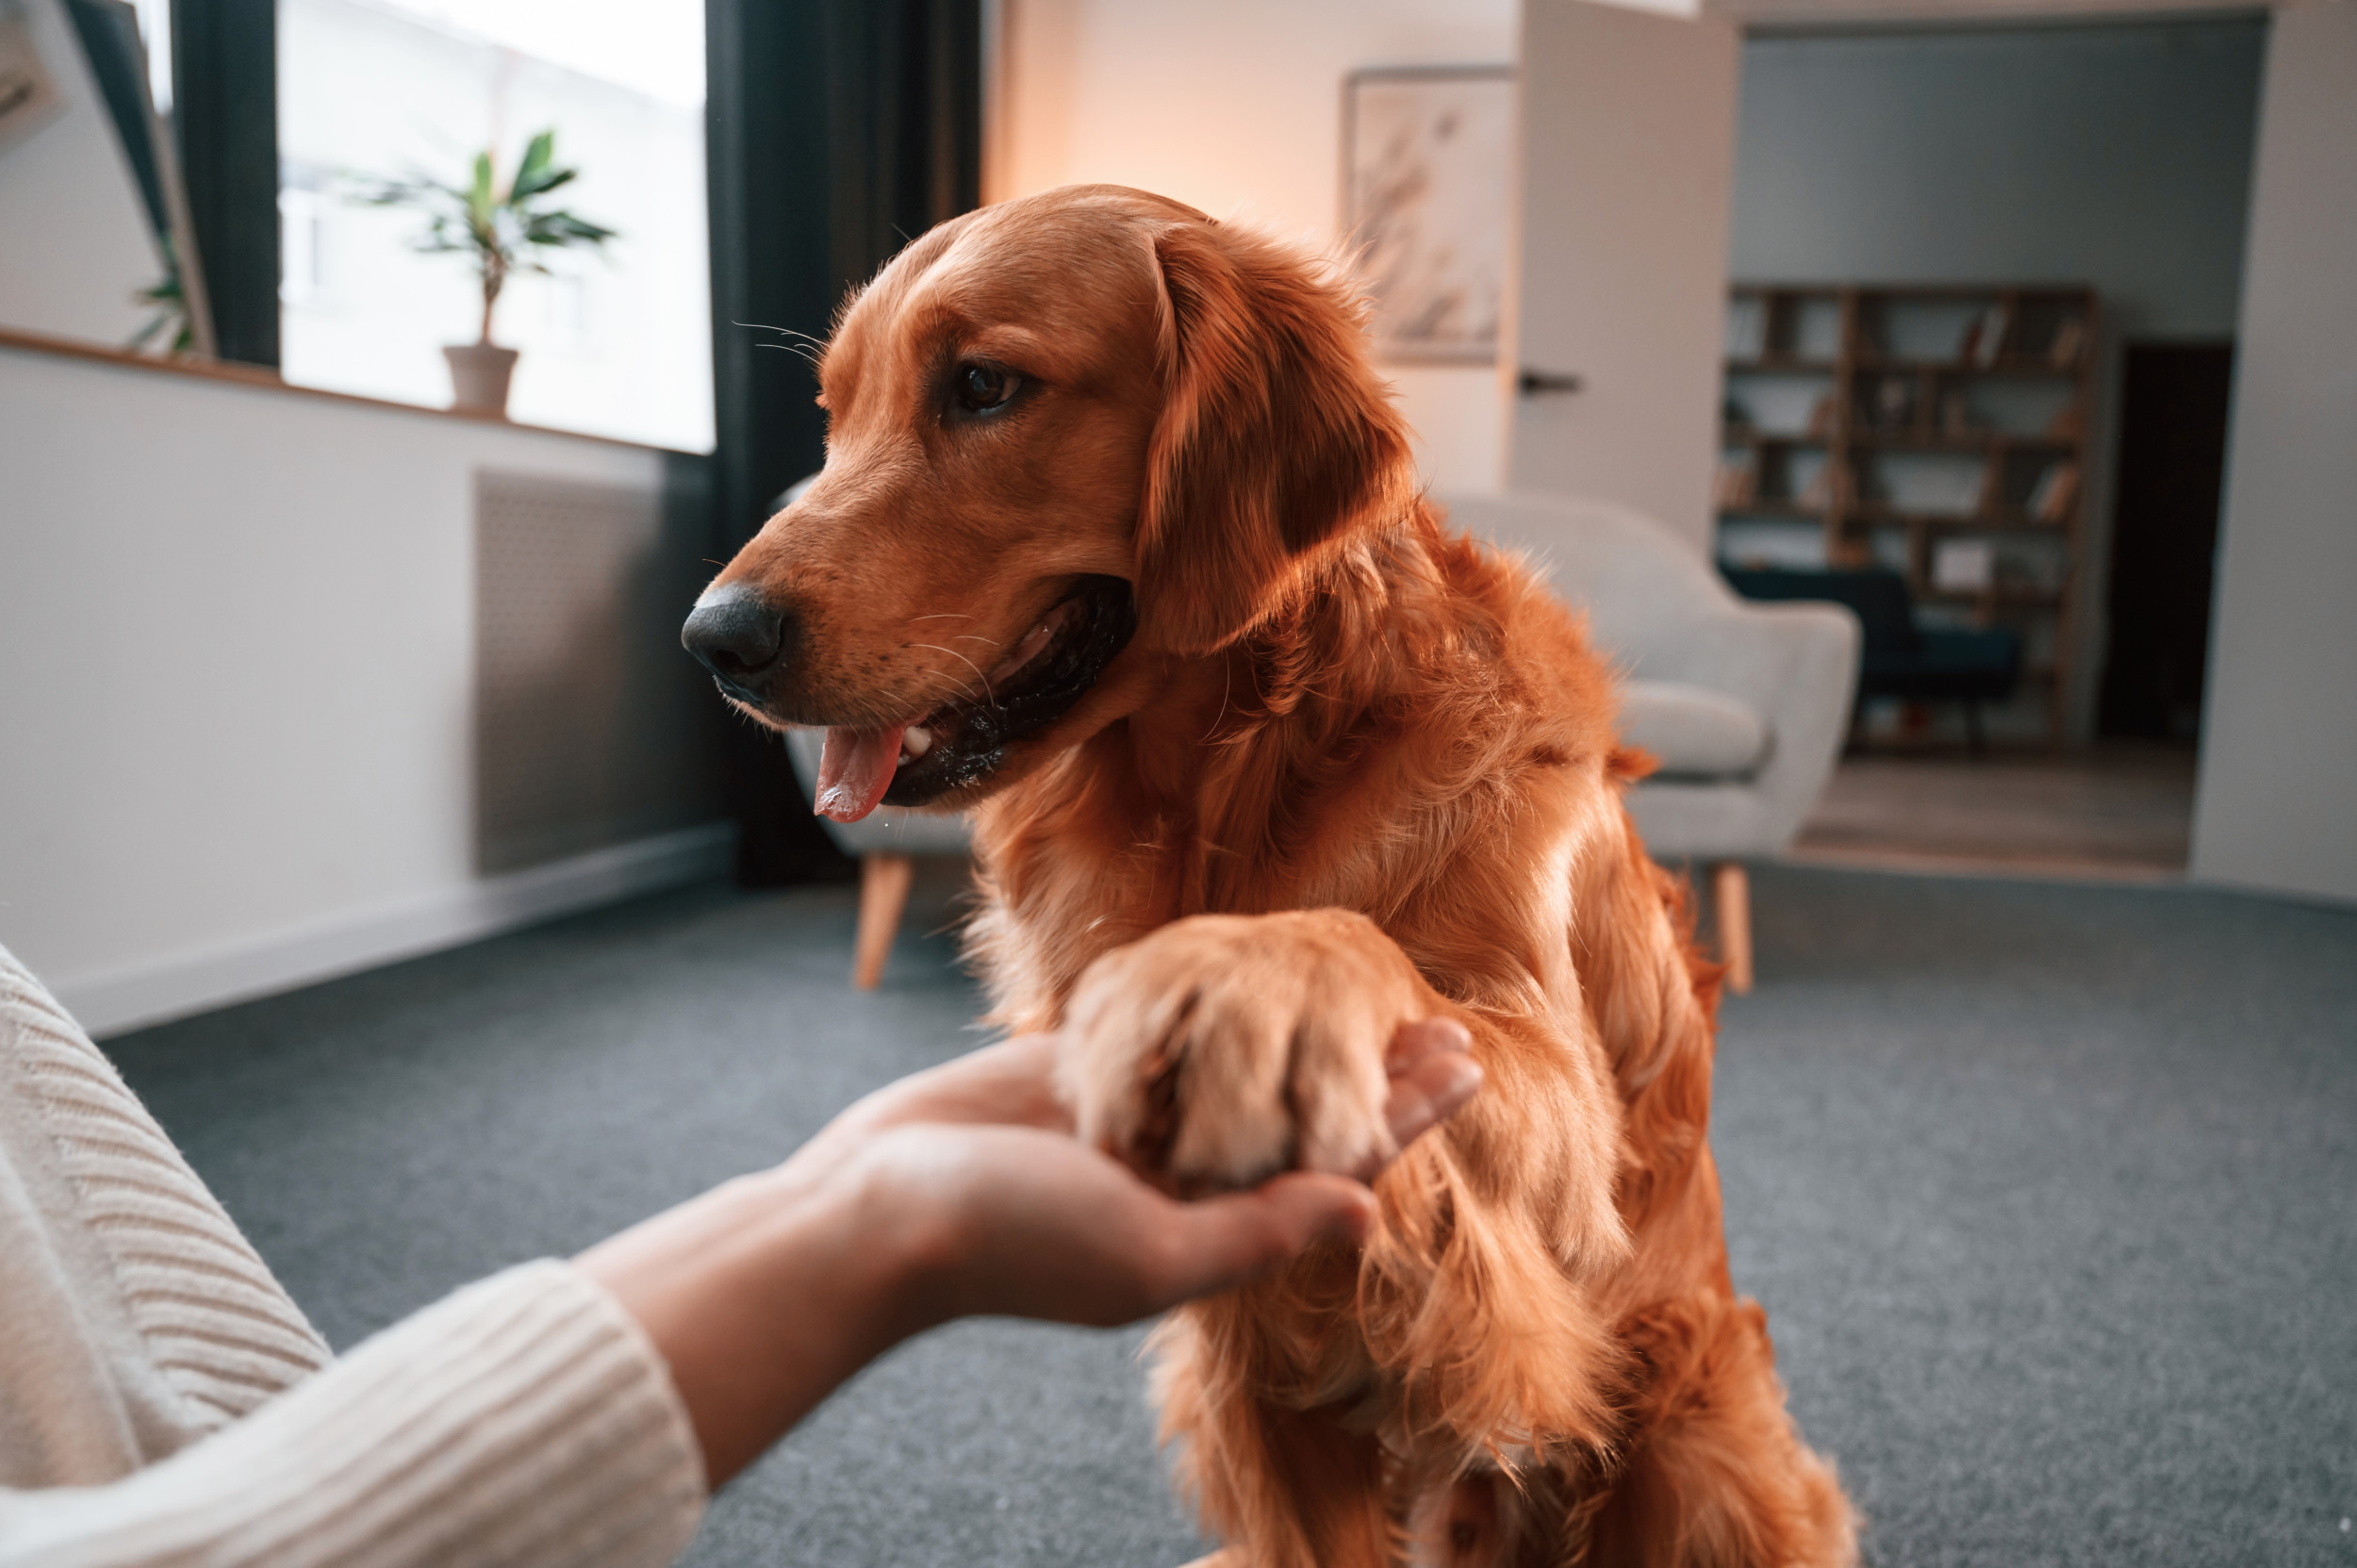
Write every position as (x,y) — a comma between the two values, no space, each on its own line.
(1936,429)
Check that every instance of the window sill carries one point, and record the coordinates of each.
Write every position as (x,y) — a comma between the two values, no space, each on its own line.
(258,379)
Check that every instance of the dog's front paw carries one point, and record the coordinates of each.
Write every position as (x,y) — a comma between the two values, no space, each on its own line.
(1222,1050)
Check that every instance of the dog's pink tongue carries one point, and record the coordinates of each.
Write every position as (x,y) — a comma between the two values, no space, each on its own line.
(855,769)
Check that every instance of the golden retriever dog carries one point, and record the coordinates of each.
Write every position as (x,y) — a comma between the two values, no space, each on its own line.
(1119,545)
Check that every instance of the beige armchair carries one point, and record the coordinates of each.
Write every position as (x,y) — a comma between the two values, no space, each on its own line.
(1745,706)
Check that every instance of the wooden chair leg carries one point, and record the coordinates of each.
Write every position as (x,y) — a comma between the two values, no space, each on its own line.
(1731,896)
(883,893)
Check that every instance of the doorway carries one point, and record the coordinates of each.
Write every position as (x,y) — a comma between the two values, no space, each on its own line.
(2172,466)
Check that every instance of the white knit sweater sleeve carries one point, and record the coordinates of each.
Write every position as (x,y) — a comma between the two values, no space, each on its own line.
(163,1402)
(522,1421)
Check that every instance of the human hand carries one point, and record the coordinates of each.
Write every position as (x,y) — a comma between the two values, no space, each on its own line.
(956,1191)
(1009,1213)
(1013,1084)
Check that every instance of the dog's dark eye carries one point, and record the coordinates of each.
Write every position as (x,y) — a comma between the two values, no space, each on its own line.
(982,388)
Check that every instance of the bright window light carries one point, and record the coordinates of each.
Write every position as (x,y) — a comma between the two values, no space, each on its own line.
(616,344)
(156,38)
(653,46)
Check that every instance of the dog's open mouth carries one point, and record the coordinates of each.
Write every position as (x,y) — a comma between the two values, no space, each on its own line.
(964,741)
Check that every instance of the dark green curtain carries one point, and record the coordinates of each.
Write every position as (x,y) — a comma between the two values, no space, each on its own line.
(838,130)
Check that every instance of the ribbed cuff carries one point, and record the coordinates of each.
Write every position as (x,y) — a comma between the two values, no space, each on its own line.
(524,1421)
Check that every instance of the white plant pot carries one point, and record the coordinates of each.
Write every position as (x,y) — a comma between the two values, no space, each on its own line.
(479,374)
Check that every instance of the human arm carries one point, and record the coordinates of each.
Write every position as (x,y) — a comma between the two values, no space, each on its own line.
(163,1402)
(560,1414)
(956,1192)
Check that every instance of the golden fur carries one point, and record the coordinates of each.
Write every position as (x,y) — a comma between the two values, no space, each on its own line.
(1352,769)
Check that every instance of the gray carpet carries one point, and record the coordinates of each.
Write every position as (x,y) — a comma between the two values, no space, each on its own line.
(2051,1192)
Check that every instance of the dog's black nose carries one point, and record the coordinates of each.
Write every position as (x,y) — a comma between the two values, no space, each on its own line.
(737,636)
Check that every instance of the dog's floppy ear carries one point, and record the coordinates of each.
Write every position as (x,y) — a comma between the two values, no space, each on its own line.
(1275,443)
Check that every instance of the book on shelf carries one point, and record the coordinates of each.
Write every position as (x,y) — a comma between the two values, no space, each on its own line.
(1992,494)
(1824,415)
(2055,493)
(1964,566)
(1985,337)
(2000,321)
(2070,336)
(1819,493)
(1738,484)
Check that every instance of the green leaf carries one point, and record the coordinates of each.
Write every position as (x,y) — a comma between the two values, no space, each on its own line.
(480,203)
(564,228)
(532,175)
(499,231)
(549,181)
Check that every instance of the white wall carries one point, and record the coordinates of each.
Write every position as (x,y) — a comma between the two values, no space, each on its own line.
(2277,806)
(1236,107)
(237,672)
(75,244)
(2117,156)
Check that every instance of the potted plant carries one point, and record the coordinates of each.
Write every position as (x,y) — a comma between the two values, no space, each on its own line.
(502,232)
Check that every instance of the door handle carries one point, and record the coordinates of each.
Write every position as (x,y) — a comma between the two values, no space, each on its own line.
(1533,383)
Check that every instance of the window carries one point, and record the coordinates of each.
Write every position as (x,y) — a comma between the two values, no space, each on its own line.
(307,210)
(613,344)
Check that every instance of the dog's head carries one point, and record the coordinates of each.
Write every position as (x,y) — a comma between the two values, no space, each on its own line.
(1068,437)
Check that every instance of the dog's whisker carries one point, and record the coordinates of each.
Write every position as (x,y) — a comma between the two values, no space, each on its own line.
(785,331)
(808,353)
(956,691)
(969,664)
(956,686)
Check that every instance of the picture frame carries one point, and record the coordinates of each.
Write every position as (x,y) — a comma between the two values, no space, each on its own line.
(1426,177)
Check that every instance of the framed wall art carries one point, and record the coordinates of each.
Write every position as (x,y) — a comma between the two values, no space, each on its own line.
(1426,167)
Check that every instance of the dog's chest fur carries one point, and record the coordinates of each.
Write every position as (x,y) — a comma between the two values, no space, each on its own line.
(1442,801)
(1054,900)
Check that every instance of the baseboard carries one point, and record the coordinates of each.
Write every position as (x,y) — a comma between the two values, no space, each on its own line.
(137,994)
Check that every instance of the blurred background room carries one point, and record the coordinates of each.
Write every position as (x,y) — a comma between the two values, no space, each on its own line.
(382,380)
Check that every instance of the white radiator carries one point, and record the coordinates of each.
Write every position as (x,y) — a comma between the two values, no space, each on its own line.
(593,727)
